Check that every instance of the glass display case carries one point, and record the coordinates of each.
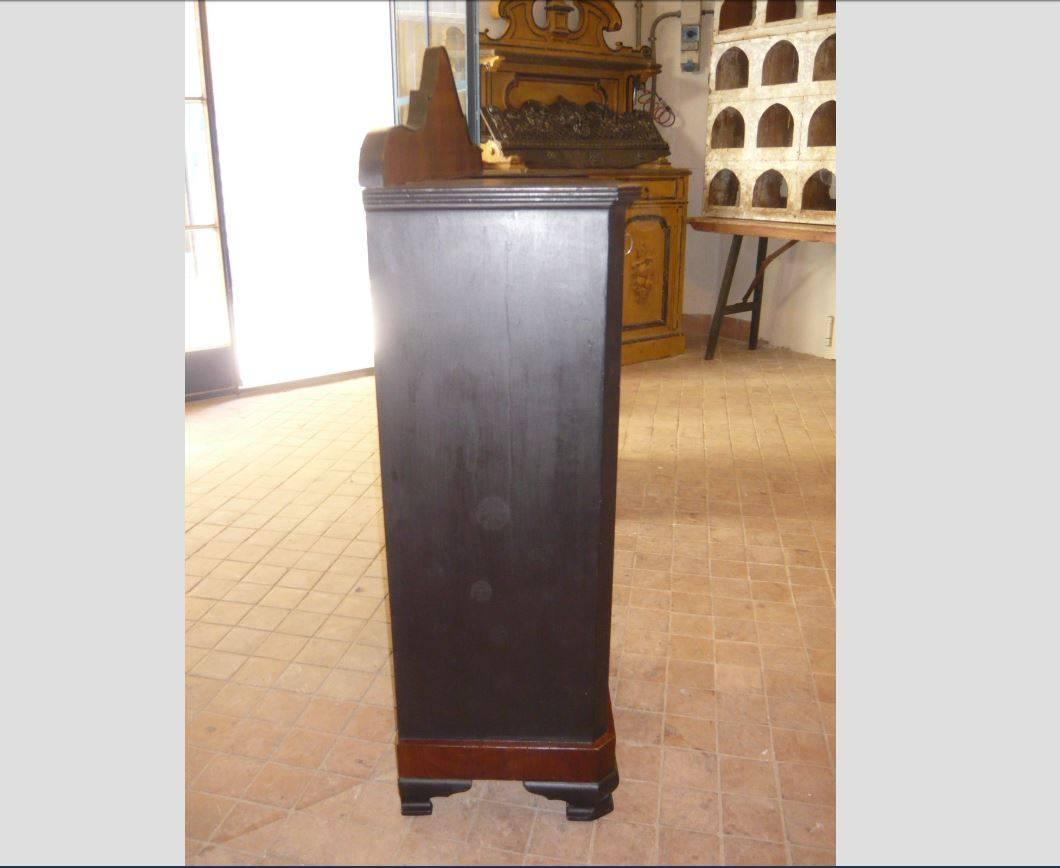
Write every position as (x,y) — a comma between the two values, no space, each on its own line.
(417,25)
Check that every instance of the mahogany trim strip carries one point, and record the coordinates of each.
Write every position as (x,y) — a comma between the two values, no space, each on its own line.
(507,760)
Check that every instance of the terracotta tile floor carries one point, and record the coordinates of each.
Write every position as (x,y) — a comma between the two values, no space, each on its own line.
(723,665)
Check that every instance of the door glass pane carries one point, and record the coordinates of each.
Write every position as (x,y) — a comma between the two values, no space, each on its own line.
(448,29)
(205,305)
(198,172)
(410,34)
(193,77)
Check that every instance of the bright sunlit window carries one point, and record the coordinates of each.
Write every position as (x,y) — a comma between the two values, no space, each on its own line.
(296,86)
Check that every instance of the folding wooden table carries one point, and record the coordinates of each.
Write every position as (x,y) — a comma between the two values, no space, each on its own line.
(763,230)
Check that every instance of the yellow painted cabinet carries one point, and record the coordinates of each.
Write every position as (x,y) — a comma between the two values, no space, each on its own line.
(653,284)
(543,62)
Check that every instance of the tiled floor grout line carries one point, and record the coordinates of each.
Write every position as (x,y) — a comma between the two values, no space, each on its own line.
(817,705)
(774,761)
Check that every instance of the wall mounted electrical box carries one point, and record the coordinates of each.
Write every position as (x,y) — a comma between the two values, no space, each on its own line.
(690,34)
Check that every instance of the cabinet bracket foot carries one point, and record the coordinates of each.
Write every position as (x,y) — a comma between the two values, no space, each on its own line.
(585,801)
(416,793)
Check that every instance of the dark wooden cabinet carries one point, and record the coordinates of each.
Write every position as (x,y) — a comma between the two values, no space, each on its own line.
(498,308)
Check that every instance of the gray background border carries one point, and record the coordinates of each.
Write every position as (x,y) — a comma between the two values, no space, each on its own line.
(947,294)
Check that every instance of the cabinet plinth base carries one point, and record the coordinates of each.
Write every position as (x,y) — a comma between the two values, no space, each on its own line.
(644,350)
(583,774)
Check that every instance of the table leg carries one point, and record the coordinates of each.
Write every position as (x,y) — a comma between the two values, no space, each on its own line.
(756,311)
(723,297)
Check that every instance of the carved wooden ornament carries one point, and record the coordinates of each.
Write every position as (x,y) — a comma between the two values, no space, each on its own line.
(567,135)
(531,62)
(596,17)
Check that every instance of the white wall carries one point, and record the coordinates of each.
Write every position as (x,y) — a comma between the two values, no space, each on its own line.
(800,285)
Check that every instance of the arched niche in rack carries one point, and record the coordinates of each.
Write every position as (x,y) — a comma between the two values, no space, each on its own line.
(824,61)
(822,126)
(736,13)
(781,64)
(780,10)
(826,7)
(771,190)
(733,70)
(724,189)
(818,193)
(728,129)
(776,127)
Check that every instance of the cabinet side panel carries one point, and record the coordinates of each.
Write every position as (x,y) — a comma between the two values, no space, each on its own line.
(490,370)
(612,367)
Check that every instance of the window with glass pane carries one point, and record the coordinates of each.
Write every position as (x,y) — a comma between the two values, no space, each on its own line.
(448,24)
(419,24)
(206,323)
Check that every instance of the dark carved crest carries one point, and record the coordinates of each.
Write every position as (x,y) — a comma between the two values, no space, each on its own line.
(564,134)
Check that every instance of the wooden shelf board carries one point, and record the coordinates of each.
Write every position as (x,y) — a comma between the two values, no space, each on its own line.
(765,228)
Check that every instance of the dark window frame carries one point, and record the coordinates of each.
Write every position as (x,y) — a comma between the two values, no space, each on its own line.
(212,372)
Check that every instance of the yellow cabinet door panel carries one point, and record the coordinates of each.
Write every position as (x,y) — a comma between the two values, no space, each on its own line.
(648,245)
